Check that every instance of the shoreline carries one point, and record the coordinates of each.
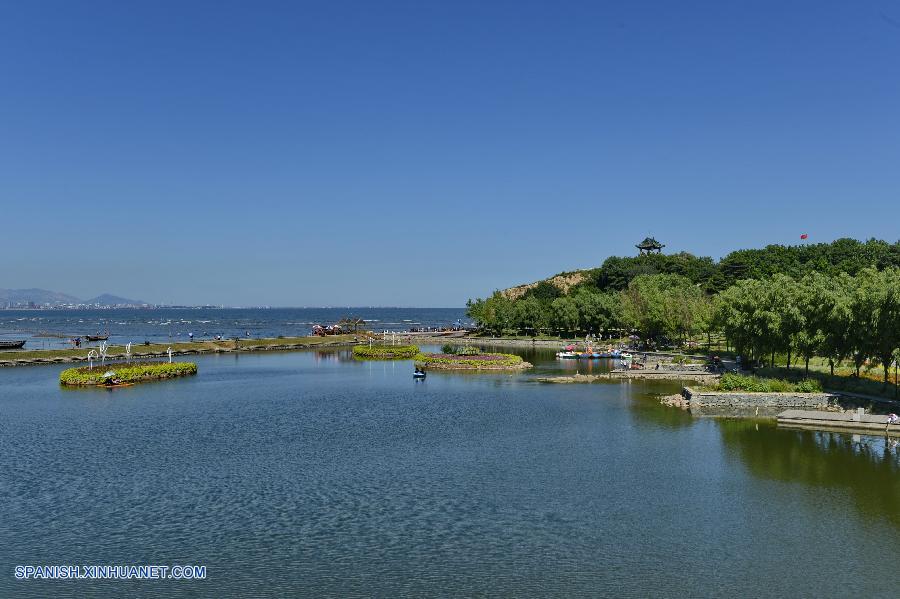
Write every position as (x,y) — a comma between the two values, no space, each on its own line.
(67,356)
(529,342)
(652,375)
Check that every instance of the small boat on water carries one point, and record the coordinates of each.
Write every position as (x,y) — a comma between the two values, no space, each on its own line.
(12,344)
(97,337)
(567,355)
(419,374)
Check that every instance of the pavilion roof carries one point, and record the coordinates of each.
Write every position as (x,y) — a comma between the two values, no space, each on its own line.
(650,243)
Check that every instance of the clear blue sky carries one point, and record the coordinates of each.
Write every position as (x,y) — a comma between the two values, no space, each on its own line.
(421,153)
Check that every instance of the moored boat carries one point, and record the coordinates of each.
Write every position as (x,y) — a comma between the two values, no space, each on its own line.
(97,337)
(12,344)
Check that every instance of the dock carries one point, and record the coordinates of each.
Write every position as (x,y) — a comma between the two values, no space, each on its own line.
(852,422)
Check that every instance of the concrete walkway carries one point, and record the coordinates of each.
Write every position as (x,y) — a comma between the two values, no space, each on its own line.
(838,421)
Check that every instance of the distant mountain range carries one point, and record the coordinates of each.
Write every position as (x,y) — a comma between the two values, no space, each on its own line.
(43,297)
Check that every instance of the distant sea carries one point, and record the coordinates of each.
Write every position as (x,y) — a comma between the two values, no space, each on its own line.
(53,328)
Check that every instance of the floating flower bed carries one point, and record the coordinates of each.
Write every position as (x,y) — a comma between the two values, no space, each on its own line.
(473,362)
(385,352)
(125,374)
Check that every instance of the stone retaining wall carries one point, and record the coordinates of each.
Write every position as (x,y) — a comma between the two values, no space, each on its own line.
(744,399)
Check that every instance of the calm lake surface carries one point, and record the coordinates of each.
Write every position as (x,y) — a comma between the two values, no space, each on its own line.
(309,474)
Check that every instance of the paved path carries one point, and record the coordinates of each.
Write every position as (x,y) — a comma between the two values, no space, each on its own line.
(872,398)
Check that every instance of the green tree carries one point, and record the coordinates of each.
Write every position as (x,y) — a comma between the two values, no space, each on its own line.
(813,303)
(740,317)
(837,324)
(530,315)
(597,312)
(564,314)
(877,313)
(652,304)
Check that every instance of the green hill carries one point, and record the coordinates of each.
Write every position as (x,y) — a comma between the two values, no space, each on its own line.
(843,255)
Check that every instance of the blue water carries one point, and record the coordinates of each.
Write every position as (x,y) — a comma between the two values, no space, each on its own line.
(53,328)
(310,474)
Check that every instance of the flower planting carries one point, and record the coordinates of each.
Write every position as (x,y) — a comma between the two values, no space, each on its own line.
(125,373)
(385,352)
(472,362)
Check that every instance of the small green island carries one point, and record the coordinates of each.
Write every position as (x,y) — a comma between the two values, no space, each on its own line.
(125,373)
(470,358)
(385,352)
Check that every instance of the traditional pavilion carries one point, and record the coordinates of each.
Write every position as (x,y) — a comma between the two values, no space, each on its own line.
(649,246)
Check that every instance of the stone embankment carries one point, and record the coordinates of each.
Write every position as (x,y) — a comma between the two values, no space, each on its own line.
(742,400)
(178,349)
(770,405)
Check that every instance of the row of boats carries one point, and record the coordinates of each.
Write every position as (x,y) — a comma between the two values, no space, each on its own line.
(571,353)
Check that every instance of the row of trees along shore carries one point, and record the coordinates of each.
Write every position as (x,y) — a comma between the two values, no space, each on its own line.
(838,301)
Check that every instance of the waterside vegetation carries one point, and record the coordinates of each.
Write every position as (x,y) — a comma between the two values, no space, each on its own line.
(756,384)
(837,302)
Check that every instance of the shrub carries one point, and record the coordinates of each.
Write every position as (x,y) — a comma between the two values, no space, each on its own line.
(448,349)
(809,386)
(468,351)
(755,384)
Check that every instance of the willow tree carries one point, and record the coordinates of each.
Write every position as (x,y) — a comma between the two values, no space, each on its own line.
(495,313)
(529,314)
(597,312)
(660,304)
(781,316)
(837,323)
(564,314)
(740,317)
(877,306)
(813,300)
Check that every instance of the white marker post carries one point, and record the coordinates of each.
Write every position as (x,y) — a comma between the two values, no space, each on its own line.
(103,347)
(169,351)
(91,355)
(128,352)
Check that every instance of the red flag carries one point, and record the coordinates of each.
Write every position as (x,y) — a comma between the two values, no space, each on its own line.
(804,236)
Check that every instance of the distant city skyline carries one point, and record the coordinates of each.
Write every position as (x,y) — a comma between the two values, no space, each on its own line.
(359,154)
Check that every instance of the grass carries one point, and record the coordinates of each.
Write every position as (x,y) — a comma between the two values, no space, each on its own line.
(127,373)
(869,383)
(385,352)
(160,348)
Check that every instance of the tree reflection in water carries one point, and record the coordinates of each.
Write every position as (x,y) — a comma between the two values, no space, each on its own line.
(867,467)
